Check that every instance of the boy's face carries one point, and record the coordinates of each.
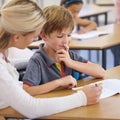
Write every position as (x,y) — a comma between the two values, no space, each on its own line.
(75,9)
(56,40)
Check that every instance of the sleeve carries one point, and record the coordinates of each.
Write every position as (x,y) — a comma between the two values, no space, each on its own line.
(77,57)
(36,107)
(76,74)
(33,73)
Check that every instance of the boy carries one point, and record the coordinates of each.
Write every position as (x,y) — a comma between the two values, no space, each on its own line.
(54,61)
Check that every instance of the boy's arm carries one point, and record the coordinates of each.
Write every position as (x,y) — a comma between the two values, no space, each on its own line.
(88,68)
(67,81)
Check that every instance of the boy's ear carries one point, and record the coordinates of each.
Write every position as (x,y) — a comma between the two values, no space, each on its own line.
(43,35)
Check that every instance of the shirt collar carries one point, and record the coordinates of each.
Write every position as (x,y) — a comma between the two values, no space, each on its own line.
(45,56)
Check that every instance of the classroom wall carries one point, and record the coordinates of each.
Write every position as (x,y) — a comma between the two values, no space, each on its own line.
(50,2)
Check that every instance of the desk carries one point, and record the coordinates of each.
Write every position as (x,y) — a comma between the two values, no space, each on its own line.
(99,43)
(105,3)
(2,118)
(107,109)
(92,10)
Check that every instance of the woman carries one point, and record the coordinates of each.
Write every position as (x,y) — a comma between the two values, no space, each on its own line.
(20,23)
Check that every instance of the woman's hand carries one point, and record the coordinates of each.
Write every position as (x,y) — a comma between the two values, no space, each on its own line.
(92,93)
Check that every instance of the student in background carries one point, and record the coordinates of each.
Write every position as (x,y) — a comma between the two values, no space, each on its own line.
(74,6)
(20,23)
(54,64)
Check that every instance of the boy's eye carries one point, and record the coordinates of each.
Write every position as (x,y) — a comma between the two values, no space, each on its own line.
(59,36)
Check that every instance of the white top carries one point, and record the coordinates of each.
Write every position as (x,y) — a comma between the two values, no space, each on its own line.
(19,57)
(12,94)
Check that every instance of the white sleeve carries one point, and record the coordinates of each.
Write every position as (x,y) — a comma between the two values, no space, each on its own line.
(14,95)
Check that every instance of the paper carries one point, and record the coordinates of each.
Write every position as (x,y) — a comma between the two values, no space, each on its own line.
(110,87)
(91,34)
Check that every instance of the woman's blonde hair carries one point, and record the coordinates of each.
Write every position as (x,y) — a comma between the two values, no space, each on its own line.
(19,17)
(57,19)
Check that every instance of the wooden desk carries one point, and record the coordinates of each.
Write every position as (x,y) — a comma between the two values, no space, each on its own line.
(105,3)
(106,109)
(101,2)
(99,43)
(2,118)
(91,10)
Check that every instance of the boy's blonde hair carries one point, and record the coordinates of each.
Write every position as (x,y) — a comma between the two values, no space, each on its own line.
(19,17)
(57,19)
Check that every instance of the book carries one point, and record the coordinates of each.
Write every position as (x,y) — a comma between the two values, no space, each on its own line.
(110,87)
(92,34)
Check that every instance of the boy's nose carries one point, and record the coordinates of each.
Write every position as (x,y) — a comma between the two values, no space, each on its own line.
(66,39)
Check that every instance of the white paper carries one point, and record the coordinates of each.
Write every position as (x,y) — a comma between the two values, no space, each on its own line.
(91,34)
(110,87)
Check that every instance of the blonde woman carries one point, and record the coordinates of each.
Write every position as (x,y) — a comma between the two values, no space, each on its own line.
(20,23)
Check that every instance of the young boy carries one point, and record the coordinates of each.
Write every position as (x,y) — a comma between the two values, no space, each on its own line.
(54,61)
(74,6)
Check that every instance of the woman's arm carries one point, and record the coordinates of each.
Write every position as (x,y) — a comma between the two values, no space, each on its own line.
(32,107)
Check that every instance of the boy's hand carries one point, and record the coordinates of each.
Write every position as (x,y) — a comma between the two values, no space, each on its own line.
(63,55)
(67,81)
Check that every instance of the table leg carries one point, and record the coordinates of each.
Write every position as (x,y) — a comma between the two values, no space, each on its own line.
(106,17)
(104,59)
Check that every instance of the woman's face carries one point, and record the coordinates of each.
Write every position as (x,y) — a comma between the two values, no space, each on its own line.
(22,41)
(75,9)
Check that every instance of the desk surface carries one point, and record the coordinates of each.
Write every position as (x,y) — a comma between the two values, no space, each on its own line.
(105,3)
(97,43)
(2,118)
(106,109)
(92,10)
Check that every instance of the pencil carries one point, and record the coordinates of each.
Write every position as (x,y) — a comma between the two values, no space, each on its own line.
(99,83)
(77,88)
